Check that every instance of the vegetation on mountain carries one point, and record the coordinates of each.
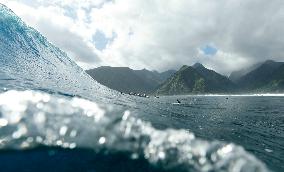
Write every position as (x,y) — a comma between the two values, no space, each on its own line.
(127,80)
(196,79)
(268,77)
(262,77)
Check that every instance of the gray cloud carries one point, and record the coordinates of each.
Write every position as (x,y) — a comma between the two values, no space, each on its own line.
(255,29)
(166,34)
(69,42)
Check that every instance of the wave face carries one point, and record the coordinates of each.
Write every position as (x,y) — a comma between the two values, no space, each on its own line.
(40,105)
(28,57)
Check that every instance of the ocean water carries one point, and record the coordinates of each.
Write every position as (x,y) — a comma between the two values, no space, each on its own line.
(54,117)
(255,122)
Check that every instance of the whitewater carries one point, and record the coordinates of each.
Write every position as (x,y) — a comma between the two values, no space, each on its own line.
(47,102)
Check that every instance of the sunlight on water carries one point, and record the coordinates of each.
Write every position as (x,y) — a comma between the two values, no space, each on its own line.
(35,119)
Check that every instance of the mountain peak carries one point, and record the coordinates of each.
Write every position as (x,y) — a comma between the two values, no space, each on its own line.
(198,65)
(184,67)
(269,62)
(145,70)
(195,79)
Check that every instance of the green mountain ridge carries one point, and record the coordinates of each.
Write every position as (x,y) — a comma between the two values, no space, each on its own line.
(268,77)
(265,77)
(196,79)
(236,75)
(126,80)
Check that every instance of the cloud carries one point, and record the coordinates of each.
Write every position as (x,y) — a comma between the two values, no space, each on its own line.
(159,34)
(55,22)
(71,43)
(167,34)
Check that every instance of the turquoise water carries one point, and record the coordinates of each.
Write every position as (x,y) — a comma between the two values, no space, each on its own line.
(54,117)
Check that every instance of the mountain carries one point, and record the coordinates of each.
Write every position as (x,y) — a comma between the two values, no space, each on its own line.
(127,80)
(153,76)
(195,79)
(269,76)
(167,74)
(236,75)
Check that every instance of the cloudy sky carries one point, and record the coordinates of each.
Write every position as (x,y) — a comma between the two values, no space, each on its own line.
(224,35)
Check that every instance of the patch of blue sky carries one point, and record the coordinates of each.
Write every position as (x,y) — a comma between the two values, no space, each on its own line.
(209,50)
(101,41)
(70,12)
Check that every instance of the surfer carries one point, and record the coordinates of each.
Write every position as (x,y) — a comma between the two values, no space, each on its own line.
(178,101)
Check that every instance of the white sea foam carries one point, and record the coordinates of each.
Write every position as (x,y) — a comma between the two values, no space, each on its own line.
(35,118)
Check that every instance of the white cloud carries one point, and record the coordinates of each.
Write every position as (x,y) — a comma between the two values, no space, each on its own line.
(159,34)
(73,35)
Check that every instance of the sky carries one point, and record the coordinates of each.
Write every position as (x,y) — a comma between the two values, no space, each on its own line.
(224,35)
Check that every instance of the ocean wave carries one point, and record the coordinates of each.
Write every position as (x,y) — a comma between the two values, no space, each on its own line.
(40,119)
(32,62)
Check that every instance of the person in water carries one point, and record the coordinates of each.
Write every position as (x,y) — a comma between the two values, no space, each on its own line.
(178,101)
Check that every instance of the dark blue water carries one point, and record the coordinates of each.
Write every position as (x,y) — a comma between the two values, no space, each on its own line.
(255,122)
